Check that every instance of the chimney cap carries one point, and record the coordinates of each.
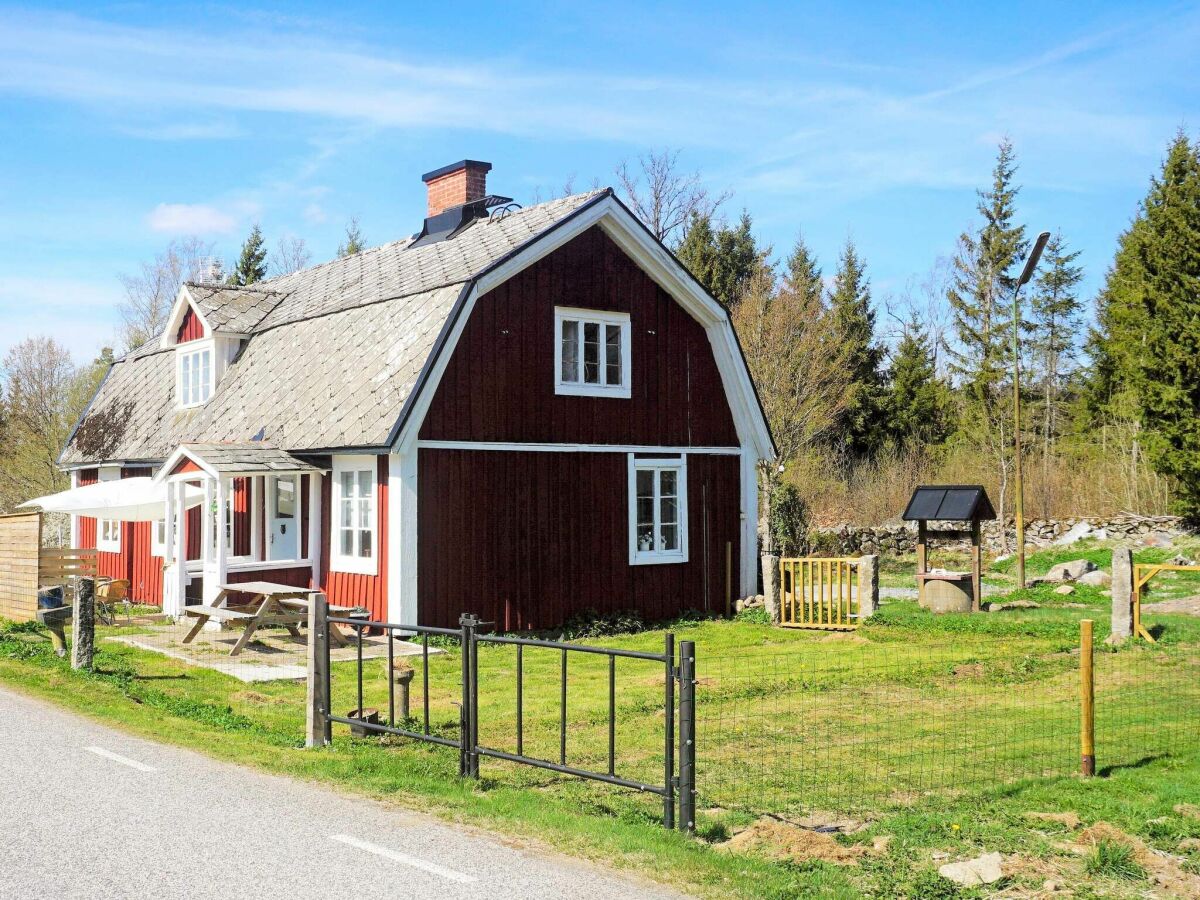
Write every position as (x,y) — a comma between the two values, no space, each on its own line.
(454,167)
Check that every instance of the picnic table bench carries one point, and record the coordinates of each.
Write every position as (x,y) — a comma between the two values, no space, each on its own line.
(271,606)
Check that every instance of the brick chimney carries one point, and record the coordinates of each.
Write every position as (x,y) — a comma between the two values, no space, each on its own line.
(456,184)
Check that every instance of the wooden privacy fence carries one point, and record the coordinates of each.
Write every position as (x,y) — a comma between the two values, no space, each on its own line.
(25,565)
(820,592)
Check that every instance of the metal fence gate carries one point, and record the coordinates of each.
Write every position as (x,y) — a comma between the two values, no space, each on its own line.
(677,787)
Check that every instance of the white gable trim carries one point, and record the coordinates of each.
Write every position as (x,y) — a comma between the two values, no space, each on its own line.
(181,453)
(183,300)
(653,258)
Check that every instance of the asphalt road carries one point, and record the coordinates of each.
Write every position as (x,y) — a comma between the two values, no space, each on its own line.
(88,811)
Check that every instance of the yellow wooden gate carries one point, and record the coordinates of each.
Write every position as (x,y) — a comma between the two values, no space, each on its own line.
(1142,573)
(819,592)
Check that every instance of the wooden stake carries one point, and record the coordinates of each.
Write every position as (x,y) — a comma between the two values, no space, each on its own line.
(728,579)
(1087,700)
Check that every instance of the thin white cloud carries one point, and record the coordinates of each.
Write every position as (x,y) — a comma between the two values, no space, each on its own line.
(190,218)
(79,313)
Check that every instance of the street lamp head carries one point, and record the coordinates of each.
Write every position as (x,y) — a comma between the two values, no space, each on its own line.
(1031,261)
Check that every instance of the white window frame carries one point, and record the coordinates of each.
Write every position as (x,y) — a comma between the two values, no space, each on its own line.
(653,557)
(355,563)
(158,538)
(192,350)
(563,314)
(110,542)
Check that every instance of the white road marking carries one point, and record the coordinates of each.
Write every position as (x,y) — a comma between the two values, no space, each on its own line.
(395,855)
(123,760)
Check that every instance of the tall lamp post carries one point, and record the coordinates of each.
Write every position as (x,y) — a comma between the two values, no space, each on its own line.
(1031,262)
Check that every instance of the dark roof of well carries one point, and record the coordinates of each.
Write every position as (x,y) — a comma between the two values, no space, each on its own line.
(333,355)
(949,503)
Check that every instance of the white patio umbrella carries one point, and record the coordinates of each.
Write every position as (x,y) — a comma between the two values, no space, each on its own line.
(125,500)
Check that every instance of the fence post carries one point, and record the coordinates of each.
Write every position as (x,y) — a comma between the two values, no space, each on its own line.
(770,579)
(1087,700)
(83,628)
(669,731)
(468,761)
(687,736)
(1122,595)
(868,586)
(316,730)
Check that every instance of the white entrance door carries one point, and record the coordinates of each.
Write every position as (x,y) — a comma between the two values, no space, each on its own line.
(284,514)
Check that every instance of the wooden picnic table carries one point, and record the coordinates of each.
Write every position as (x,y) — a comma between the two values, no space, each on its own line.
(272,606)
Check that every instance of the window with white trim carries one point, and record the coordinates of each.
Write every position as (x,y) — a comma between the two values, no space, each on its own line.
(591,353)
(355,532)
(158,537)
(108,535)
(657,510)
(194,375)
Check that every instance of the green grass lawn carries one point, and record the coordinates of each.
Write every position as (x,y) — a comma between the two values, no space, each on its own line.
(915,723)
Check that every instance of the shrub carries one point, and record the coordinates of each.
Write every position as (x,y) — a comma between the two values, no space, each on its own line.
(789,521)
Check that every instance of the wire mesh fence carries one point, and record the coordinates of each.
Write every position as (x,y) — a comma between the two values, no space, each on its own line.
(876,724)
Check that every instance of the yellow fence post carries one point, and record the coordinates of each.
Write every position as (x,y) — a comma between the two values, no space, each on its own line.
(1087,700)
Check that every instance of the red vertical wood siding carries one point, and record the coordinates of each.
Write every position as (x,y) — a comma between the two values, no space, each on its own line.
(87,524)
(348,588)
(551,540)
(499,385)
(191,328)
(143,569)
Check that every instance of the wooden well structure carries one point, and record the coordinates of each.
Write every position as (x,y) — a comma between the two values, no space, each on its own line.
(956,503)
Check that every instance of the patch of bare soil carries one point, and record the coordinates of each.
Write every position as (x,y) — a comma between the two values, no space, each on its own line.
(968,670)
(1188,810)
(784,842)
(1188,606)
(1068,820)
(843,637)
(1163,869)
(256,697)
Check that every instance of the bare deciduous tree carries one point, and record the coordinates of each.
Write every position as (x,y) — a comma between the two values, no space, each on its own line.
(44,394)
(291,255)
(150,293)
(800,367)
(662,196)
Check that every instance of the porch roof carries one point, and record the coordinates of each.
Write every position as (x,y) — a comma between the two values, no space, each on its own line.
(248,458)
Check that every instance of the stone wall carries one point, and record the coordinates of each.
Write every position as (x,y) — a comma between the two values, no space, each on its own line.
(901,537)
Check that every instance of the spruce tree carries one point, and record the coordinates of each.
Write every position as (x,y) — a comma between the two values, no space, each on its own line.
(1056,315)
(917,402)
(252,264)
(854,319)
(354,242)
(980,296)
(1170,365)
(723,260)
(803,274)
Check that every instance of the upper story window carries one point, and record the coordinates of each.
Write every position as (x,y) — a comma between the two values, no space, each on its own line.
(657,510)
(355,523)
(194,374)
(591,353)
(108,531)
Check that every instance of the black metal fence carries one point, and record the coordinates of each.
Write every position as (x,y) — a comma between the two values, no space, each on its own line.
(677,785)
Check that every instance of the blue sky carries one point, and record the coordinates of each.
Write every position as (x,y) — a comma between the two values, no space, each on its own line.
(125,125)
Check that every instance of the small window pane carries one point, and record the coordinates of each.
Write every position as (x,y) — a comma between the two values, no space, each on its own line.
(347,542)
(669,511)
(364,538)
(645,483)
(667,482)
(570,351)
(591,352)
(645,538)
(669,538)
(612,354)
(205,383)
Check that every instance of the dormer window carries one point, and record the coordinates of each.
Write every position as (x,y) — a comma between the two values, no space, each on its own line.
(591,353)
(194,373)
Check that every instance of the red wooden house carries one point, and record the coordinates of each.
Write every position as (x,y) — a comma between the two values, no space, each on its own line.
(521,413)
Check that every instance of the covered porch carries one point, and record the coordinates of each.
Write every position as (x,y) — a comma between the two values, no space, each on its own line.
(260,519)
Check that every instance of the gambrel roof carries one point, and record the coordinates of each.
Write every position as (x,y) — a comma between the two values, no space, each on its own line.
(337,354)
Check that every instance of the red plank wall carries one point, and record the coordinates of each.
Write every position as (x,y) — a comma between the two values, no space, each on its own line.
(554,541)
(347,588)
(499,385)
(191,328)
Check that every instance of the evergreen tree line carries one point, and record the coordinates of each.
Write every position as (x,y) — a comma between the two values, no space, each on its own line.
(1110,419)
